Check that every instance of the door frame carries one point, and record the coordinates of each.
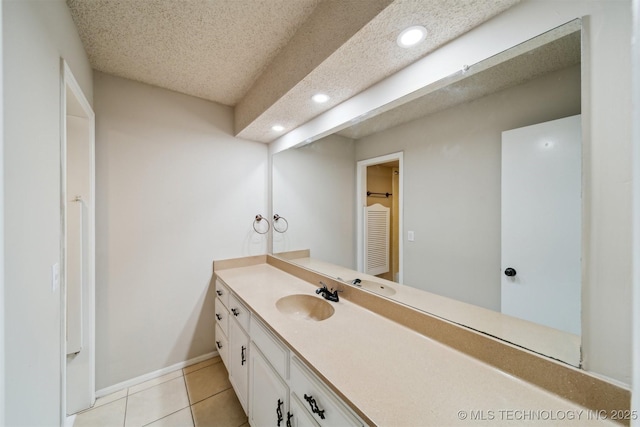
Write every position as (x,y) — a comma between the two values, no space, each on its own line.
(361,202)
(68,81)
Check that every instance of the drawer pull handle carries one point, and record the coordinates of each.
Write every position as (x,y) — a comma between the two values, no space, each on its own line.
(218,316)
(314,406)
(289,416)
(219,292)
(279,412)
(218,345)
(242,356)
(235,311)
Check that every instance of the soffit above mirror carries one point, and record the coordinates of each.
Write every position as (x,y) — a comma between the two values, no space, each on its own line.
(511,68)
(266,58)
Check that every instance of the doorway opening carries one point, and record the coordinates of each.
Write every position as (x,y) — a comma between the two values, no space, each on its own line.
(379,221)
(77,173)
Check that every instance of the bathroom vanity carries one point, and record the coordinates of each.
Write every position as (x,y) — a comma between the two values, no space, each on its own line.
(353,365)
(273,385)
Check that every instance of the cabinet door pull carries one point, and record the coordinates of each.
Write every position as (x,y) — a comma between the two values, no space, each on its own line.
(218,316)
(219,292)
(218,345)
(242,355)
(279,412)
(289,416)
(235,311)
(314,406)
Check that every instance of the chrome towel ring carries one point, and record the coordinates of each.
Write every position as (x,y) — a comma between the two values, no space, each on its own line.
(256,224)
(276,219)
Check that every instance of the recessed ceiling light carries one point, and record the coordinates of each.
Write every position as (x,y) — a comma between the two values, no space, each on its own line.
(412,36)
(320,98)
(277,128)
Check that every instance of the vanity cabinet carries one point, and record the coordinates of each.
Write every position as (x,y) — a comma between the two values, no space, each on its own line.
(274,387)
(232,340)
(284,392)
(320,403)
(239,362)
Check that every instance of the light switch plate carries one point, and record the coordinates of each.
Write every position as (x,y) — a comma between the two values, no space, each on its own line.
(55,277)
(410,236)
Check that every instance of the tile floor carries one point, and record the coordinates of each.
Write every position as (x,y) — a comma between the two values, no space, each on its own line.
(196,396)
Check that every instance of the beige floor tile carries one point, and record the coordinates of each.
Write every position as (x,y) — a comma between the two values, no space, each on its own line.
(201,365)
(107,415)
(110,398)
(182,418)
(206,382)
(156,402)
(221,410)
(154,382)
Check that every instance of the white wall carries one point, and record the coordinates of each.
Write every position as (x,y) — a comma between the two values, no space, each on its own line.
(313,188)
(452,183)
(36,34)
(175,190)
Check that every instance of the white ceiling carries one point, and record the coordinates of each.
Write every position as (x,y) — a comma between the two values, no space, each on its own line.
(267,57)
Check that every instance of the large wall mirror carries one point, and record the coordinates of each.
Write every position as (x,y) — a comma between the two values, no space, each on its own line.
(476,185)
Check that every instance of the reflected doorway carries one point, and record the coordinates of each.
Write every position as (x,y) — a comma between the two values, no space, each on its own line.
(379,201)
(78,248)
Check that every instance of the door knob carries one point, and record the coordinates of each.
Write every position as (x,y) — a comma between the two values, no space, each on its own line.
(510,272)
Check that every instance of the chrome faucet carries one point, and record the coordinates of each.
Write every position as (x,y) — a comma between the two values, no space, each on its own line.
(355,281)
(331,295)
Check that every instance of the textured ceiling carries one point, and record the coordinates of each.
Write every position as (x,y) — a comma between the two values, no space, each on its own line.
(267,57)
(212,49)
(553,51)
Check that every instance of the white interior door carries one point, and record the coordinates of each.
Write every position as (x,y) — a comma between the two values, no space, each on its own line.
(541,223)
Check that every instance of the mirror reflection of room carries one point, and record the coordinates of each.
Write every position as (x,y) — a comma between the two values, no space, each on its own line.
(447,217)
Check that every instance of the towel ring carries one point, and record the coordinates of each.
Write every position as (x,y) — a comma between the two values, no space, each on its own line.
(277,218)
(257,221)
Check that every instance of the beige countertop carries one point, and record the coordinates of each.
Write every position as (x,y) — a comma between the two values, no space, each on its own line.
(542,339)
(393,376)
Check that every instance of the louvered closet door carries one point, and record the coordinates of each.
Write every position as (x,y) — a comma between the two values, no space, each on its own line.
(376,240)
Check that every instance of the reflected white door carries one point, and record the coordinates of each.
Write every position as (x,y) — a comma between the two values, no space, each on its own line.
(541,223)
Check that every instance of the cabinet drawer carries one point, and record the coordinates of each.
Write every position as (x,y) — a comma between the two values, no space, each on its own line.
(222,292)
(270,346)
(314,395)
(222,345)
(239,312)
(300,417)
(222,316)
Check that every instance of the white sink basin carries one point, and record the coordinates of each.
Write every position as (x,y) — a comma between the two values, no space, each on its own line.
(304,306)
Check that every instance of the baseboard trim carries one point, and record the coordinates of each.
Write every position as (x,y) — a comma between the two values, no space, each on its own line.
(151,375)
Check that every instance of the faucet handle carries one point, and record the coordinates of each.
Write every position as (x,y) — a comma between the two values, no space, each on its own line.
(323,289)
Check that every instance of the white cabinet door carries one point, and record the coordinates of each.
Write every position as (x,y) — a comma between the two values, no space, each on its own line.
(239,362)
(541,223)
(269,398)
